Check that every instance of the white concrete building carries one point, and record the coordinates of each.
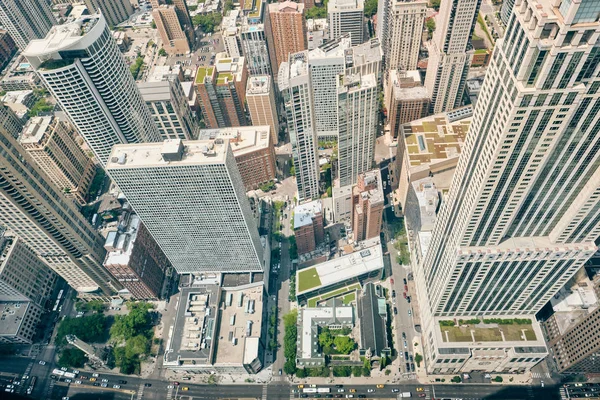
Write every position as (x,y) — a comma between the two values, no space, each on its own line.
(230,30)
(449,54)
(26,20)
(402,34)
(260,97)
(347,16)
(84,70)
(342,203)
(522,213)
(254,45)
(190,197)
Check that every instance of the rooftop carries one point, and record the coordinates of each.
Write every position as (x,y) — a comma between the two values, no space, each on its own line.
(373,314)
(304,213)
(120,244)
(286,6)
(434,139)
(12,314)
(372,186)
(509,330)
(243,139)
(407,86)
(367,258)
(572,304)
(258,84)
(203,72)
(145,155)
(34,130)
(155,91)
(310,318)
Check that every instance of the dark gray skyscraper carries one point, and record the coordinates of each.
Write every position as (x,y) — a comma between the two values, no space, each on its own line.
(26,20)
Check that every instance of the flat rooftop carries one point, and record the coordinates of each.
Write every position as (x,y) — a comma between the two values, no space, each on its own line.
(12,314)
(155,91)
(258,84)
(367,52)
(238,323)
(434,138)
(304,213)
(307,318)
(34,130)
(373,182)
(144,155)
(243,140)
(63,36)
(367,258)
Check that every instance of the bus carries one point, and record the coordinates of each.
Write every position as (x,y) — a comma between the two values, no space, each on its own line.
(31,385)
(59,295)
(323,390)
(58,372)
(309,390)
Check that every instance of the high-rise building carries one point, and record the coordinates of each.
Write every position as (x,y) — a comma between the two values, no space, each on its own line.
(26,20)
(103,103)
(408,99)
(8,48)
(308,226)
(260,97)
(401,36)
(10,122)
(521,216)
(174,39)
(297,91)
(358,116)
(367,206)
(183,15)
(254,45)
(230,34)
(50,141)
(286,31)
(23,276)
(136,260)
(170,108)
(190,197)
(347,16)
(253,151)
(114,11)
(222,92)
(450,54)
(506,10)
(34,209)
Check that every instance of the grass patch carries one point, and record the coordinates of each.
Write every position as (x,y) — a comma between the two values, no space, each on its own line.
(312,302)
(308,279)
(349,298)
(512,333)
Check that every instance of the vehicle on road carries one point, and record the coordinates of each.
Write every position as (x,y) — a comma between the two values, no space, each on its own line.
(380,386)
(176,383)
(170,387)
(392,281)
(42,362)
(409,313)
(422,395)
(370,390)
(339,386)
(405,394)
(352,390)
(104,380)
(104,385)
(185,388)
(92,379)
(403,335)
(78,382)
(280,371)
(116,386)
(96,384)
(95,375)
(68,380)
(341,390)
(419,389)
(123,382)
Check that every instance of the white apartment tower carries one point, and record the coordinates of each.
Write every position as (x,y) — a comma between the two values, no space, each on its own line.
(260,97)
(358,110)
(296,89)
(34,209)
(523,210)
(84,70)
(346,16)
(190,197)
(449,54)
(402,33)
(26,20)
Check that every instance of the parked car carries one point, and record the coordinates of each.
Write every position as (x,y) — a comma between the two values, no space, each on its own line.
(123,382)
(403,335)
(395,311)
(405,282)
(116,386)
(393,293)
(42,362)
(104,385)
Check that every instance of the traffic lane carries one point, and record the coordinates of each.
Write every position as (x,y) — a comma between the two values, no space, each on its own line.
(403,321)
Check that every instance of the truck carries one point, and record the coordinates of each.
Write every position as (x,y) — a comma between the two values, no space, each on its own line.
(70,375)
(323,390)
(58,372)
(309,390)
(405,394)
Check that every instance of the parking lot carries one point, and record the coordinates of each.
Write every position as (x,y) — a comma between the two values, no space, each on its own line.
(206,48)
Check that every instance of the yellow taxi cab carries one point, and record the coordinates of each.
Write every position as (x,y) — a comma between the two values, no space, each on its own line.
(185,388)
(419,389)
(380,386)
(300,386)
(92,379)
(352,390)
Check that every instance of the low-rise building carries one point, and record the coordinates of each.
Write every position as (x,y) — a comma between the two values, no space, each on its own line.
(230,33)
(134,258)
(253,151)
(349,272)
(308,226)
(367,206)
(217,329)
(19,321)
(342,203)
(20,102)
(20,76)
(372,313)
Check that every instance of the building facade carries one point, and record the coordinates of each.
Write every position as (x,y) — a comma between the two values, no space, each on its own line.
(403,33)
(7,48)
(450,54)
(174,39)
(521,215)
(9,120)
(254,46)
(190,197)
(408,99)
(260,97)
(222,92)
(102,103)
(170,108)
(308,226)
(253,151)
(347,16)
(367,206)
(286,31)
(26,20)
(34,209)
(50,141)
(114,11)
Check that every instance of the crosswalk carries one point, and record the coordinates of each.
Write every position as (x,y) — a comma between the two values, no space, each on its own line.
(140,391)
(541,375)
(264,392)
(169,392)
(563,393)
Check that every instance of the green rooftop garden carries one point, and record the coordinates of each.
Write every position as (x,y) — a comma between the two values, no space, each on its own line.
(480,51)
(308,279)
(488,330)
(56,64)
(202,73)
(224,77)
(347,292)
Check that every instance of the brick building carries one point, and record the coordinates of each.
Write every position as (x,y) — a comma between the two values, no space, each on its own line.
(286,31)
(407,99)
(367,206)
(308,226)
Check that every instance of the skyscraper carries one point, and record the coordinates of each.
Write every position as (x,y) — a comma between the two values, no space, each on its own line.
(84,70)
(521,216)
(254,45)
(26,20)
(401,36)
(296,89)
(115,11)
(449,55)
(358,111)
(183,15)
(50,141)
(506,10)
(347,16)
(190,197)
(286,31)
(260,96)
(34,209)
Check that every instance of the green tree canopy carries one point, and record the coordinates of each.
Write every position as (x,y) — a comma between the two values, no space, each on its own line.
(89,329)
(435,4)
(370,8)
(72,357)
(207,22)
(316,12)
(344,344)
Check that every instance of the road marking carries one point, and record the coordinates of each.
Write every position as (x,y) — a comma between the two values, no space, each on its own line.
(539,375)
(169,392)
(264,393)
(140,391)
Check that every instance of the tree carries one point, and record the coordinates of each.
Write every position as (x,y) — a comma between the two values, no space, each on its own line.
(301,373)
(289,367)
(153,25)
(136,67)
(228,6)
(289,341)
(292,171)
(344,344)
(370,8)
(207,22)
(88,329)
(316,12)
(162,52)
(357,371)
(40,106)
(498,379)
(72,357)
(430,25)
(387,372)
(326,340)
(342,371)
(456,379)
(418,359)
(435,4)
